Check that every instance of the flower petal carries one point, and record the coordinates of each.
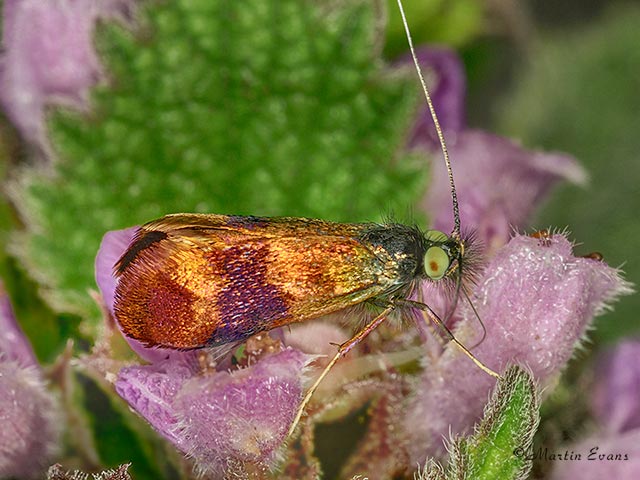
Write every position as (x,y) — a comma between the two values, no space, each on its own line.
(13,343)
(229,419)
(30,418)
(617,391)
(112,247)
(445,77)
(223,420)
(48,53)
(151,391)
(56,472)
(317,337)
(499,184)
(30,422)
(603,457)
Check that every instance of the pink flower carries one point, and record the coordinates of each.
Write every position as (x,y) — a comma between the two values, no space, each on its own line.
(30,416)
(445,77)
(616,457)
(49,56)
(536,300)
(223,420)
(616,400)
(614,450)
(499,185)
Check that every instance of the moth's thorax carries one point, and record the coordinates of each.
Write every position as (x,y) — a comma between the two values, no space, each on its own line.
(400,249)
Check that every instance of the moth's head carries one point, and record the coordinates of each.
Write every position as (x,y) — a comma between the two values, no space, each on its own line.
(444,256)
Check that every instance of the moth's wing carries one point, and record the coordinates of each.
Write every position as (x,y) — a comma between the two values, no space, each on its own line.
(193,224)
(186,283)
(161,280)
(184,228)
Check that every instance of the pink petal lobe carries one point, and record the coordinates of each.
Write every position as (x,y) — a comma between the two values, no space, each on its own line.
(223,420)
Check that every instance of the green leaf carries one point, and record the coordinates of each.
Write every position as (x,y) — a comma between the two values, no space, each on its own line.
(500,447)
(580,95)
(257,107)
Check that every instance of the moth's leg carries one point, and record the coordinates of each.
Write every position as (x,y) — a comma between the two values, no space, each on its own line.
(429,315)
(435,332)
(343,349)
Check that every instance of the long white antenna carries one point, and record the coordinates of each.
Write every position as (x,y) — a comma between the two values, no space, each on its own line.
(436,122)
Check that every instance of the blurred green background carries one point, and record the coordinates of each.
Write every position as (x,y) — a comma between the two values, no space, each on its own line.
(316,135)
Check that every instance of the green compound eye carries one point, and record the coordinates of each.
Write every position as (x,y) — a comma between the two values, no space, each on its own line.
(436,263)
(436,236)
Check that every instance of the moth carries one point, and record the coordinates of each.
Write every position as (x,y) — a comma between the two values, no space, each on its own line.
(191,281)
